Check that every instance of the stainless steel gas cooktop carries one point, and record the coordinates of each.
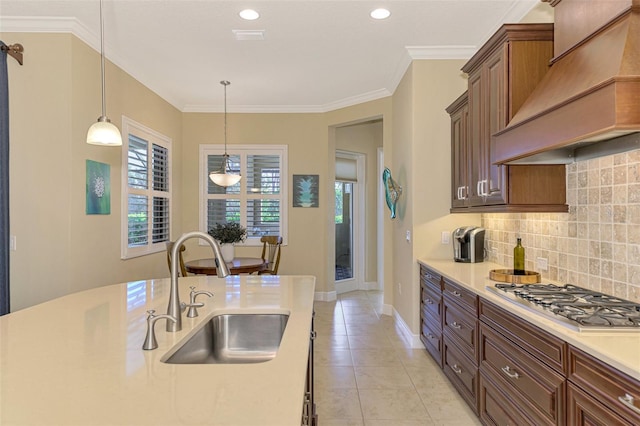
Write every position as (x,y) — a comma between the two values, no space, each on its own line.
(576,307)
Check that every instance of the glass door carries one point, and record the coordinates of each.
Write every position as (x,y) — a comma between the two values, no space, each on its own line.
(344,230)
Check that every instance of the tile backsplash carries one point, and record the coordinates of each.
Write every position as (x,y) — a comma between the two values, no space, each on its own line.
(596,244)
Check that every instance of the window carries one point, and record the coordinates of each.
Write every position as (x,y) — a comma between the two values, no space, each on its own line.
(146,190)
(258,201)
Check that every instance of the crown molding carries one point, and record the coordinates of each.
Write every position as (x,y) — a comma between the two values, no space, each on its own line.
(441,52)
(28,24)
(75,27)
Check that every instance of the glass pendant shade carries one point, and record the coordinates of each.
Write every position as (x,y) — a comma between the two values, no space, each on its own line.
(103,132)
(224,177)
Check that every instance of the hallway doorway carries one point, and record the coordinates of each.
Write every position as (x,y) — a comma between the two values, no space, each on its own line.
(344,230)
(349,219)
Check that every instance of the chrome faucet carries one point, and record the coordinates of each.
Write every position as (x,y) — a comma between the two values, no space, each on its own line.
(193,305)
(174,308)
(150,342)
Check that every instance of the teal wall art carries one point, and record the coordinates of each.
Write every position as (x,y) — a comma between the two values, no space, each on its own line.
(305,190)
(98,188)
(392,191)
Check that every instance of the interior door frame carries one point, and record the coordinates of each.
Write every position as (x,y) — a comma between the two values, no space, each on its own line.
(358,220)
(380,221)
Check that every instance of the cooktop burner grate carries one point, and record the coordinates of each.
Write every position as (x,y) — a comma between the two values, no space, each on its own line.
(577,307)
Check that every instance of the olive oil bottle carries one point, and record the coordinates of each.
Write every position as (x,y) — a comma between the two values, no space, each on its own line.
(518,258)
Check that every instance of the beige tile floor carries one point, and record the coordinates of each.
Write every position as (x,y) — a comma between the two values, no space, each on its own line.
(367,375)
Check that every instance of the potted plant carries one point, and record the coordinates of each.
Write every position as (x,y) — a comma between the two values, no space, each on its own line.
(227,234)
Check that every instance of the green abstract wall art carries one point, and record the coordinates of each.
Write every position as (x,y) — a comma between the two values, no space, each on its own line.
(98,188)
(305,190)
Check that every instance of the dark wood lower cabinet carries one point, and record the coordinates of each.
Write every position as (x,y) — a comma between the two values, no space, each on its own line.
(431,337)
(495,408)
(538,390)
(431,309)
(462,372)
(585,410)
(600,394)
(309,415)
(511,372)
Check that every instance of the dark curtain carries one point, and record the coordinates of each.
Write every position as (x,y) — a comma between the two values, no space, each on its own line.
(4,184)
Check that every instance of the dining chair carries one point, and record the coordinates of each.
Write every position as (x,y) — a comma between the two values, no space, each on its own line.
(271,253)
(183,271)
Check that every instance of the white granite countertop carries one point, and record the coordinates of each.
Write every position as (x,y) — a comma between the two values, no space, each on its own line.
(620,349)
(78,360)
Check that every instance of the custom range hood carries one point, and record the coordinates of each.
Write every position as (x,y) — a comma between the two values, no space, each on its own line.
(590,97)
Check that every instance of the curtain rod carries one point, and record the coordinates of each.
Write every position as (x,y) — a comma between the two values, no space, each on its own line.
(15,51)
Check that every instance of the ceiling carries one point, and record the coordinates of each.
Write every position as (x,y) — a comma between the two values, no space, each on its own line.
(316,55)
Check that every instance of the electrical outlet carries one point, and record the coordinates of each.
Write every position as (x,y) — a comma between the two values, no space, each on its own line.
(12,243)
(399,289)
(408,236)
(542,263)
(445,237)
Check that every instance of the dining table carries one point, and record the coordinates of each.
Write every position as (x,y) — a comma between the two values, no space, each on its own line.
(239,265)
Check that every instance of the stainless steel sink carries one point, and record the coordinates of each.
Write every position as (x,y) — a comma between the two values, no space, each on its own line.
(233,339)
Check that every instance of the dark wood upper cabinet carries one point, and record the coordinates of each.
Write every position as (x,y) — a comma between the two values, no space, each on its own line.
(502,74)
(459,112)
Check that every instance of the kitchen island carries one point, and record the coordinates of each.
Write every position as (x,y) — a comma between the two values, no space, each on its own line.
(78,360)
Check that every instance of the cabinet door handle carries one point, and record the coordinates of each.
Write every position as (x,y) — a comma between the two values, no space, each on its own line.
(628,401)
(455,325)
(430,336)
(513,374)
(456,293)
(479,188)
(456,369)
(428,301)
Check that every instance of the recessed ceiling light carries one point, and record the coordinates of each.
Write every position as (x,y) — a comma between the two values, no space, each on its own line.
(249,14)
(380,14)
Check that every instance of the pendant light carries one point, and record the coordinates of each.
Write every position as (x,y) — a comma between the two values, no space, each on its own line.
(224,177)
(103,132)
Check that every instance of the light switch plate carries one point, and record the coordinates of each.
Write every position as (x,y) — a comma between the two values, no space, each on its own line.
(408,235)
(445,237)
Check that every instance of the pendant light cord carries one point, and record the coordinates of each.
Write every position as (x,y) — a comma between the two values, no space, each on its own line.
(104,101)
(225,83)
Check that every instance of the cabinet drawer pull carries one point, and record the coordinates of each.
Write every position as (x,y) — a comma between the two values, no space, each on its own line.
(428,301)
(455,325)
(628,401)
(456,293)
(430,336)
(456,369)
(513,374)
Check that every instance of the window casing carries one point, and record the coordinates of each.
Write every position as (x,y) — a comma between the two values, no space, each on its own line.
(146,190)
(258,201)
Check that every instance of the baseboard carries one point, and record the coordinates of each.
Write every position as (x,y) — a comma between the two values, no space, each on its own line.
(346,286)
(413,339)
(326,296)
(369,285)
(387,309)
